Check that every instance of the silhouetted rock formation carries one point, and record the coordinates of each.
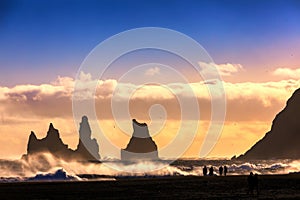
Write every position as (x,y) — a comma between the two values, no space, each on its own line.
(141,146)
(53,144)
(282,141)
(85,140)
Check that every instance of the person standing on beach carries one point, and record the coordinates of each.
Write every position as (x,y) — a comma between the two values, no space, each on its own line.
(220,170)
(250,181)
(255,183)
(211,171)
(225,170)
(204,170)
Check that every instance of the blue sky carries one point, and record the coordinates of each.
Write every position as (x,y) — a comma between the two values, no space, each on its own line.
(43,39)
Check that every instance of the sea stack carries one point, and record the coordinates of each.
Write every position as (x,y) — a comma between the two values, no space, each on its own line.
(87,149)
(282,141)
(52,143)
(141,146)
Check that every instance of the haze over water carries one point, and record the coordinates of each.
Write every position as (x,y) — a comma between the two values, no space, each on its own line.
(254,47)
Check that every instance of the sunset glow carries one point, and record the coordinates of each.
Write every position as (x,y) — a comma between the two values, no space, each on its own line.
(255,46)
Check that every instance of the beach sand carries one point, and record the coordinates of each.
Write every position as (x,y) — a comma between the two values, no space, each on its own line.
(178,187)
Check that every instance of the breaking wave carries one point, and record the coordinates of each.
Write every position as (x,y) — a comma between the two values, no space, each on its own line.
(45,167)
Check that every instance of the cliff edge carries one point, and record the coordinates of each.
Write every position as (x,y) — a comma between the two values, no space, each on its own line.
(282,141)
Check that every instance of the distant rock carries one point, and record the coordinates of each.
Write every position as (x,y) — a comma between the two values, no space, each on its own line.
(53,144)
(141,146)
(282,141)
(85,140)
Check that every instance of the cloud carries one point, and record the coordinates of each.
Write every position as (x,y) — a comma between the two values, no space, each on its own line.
(106,88)
(61,87)
(266,92)
(287,73)
(87,88)
(226,69)
(244,100)
(152,71)
(26,107)
(229,69)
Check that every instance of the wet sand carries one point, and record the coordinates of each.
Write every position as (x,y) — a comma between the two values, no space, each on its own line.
(230,187)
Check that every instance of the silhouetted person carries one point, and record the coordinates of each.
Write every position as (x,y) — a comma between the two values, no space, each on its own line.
(250,181)
(255,183)
(225,170)
(204,171)
(220,170)
(211,171)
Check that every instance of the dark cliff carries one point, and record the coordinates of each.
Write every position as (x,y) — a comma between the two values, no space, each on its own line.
(283,140)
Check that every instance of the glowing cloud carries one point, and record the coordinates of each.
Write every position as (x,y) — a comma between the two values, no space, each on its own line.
(287,73)
(37,105)
(226,69)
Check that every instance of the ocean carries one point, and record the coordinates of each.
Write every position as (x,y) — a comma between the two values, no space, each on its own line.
(47,168)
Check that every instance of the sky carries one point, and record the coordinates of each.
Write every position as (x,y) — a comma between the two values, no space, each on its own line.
(254,44)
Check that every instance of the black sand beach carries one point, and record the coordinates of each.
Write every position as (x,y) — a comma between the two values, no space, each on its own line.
(230,187)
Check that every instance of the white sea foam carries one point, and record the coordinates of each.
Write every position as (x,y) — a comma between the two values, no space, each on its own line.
(47,166)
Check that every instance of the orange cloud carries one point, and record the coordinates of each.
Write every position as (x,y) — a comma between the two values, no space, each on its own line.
(54,99)
(31,107)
